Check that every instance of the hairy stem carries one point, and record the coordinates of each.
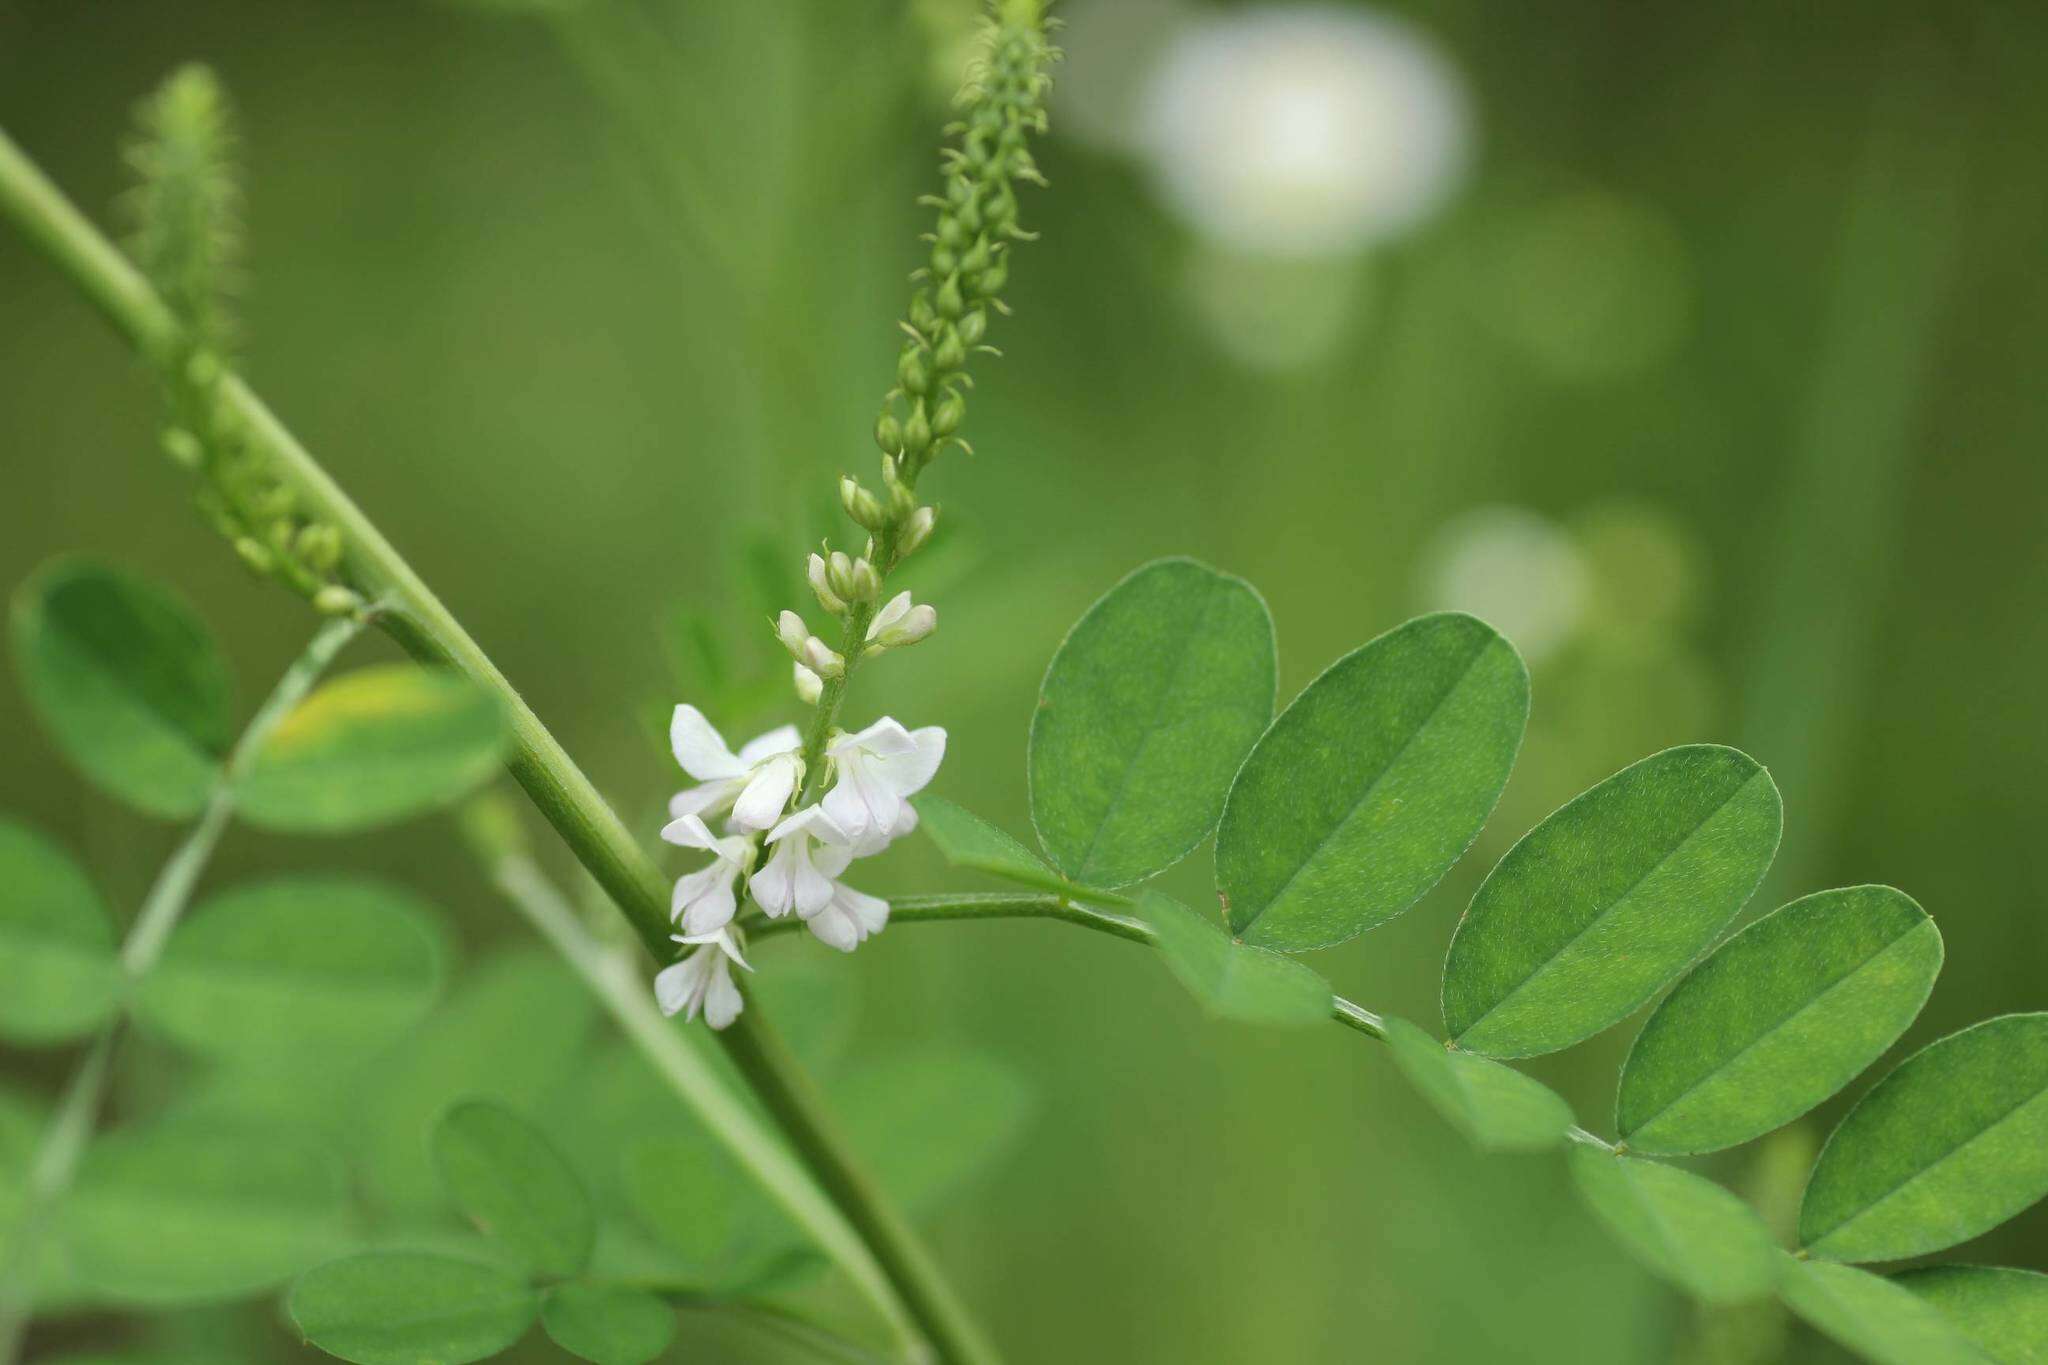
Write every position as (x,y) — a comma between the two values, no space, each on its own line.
(426,629)
(1004,905)
(56,1158)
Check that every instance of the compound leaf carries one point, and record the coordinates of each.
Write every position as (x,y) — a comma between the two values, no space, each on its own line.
(411,1308)
(1497,1107)
(513,1184)
(1688,1230)
(1233,980)
(57,942)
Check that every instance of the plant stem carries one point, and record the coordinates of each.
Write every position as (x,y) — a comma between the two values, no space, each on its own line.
(426,629)
(612,978)
(1002,905)
(56,1159)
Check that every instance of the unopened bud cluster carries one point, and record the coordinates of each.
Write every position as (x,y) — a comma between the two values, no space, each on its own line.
(187,209)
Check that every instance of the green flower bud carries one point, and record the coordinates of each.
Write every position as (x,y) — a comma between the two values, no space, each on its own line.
(951,352)
(255,556)
(888,433)
(917,529)
(946,418)
(978,257)
(993,279)
(917,432)
(819,577)
(335,600)
(860,505)
(922,317)
(318,547)
(974,326)
(866,583)
(951,302)
(183,448)
(913,372)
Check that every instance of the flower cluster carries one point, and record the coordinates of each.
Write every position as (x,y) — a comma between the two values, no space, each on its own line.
(867,807)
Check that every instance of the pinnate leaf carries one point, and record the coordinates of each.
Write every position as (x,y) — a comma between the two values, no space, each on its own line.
(1233,980)
(1780,1017)
(2003,1312)
(375,746)
(1371,784)
(966,840)
(608,1324)
(1877,1318)
(1688,1230)
(513,1184)
(56,940)
(1149,706)
(1951,1144)
(129,683)
(411,1308)
(1612,896)
(295,968)
(1497,1107)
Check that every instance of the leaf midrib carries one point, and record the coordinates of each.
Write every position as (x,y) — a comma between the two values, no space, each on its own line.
(1379,777)
(1780,1023)
(1526,982)
(2040,1092)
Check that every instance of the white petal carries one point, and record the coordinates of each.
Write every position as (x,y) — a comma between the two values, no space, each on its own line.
(783,739)
(832,859)
(811,820)
(711,911)
(760,805)
(674,985)
(774,886)
(813,889)
(699,747)
(883,738)
(908,773)
(708,799)
(892,611)
(722,939)
(690,831)
(870,912)
(722,1000)
(835,929)
(844,807)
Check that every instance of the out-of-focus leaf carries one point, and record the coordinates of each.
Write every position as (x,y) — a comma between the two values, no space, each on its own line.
(930,1117)
(196,1213)
(128,681)
(1608,899)
(1371,784)
(1688,1230)
(608,1324)
(1780,1017)
(56,941)
(1878,1319)
(411,1308)
(378,745)
(1150,704)
(2004,1312)
(1496,1106)
(1231,980)
(512,1031)
(1952,1143)
(971,842)
(515,1186)
(303,966)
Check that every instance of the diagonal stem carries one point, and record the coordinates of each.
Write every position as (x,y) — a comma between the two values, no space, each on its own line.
(415,617)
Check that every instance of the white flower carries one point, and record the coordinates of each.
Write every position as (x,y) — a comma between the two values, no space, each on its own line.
(809,686)
(848,918)
(756,782)
(899,623)
(704,899)
(809,852)
(702,982)
(878,768)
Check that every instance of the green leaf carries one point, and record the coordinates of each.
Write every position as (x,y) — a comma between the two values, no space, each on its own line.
(57,942)
(1782,1016)
(1495,1106)
(931,1117)
(1232,980)
(513,1030)
(608,1324)
(1688,1230)
(411,1308)
(1149,706)
(198,1212)
(1952,1143)
(2005,1312)
(1879,1320)
(129,683)
(1371,784)
(966,840)
(1608,899)
(379,745)
(302,965)
(514,1185)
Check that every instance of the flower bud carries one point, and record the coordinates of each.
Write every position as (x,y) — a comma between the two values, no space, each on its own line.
(335,600)
(791,630)
(917,432)
(993,279)
(913,372)
(867,584)
(821,659)
(952,410)
(974,326)
(860,505)
(821,586)
(951,352)
(255,555)
(839,571)
(902,502)
(951,303)
(888,433)
(921,315)
(917,529)
(809,685)
(914,624)
(183,448)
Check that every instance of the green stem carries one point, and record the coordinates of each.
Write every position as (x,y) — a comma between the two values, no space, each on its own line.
(613,979)
(425,628)
(1006,905)
(56,1159)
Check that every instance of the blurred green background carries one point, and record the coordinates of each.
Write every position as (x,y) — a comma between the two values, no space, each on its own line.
(1710,372)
